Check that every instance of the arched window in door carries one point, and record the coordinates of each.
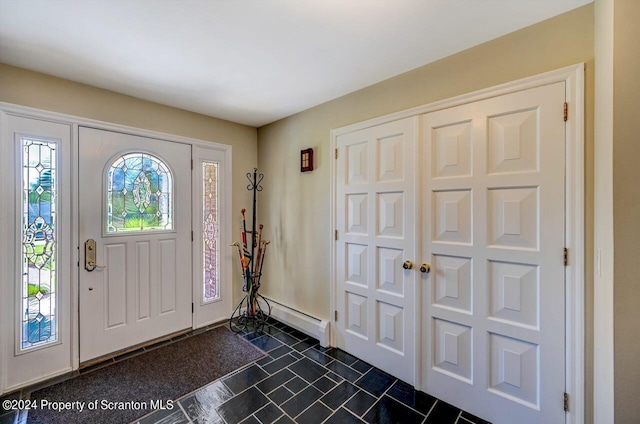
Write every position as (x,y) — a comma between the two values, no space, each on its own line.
(139,194)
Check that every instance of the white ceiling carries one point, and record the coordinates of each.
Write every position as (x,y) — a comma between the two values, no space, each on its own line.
(249,61)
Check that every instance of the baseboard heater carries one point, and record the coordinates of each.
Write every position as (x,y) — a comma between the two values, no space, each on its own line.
(309,325)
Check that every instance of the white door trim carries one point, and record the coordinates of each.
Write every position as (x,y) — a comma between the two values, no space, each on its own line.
(76,122)
(573,76)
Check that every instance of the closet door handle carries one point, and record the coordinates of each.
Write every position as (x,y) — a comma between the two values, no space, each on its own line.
(407,265)
(425,268)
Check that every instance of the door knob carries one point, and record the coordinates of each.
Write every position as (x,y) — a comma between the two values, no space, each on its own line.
(425,268)
(407,265)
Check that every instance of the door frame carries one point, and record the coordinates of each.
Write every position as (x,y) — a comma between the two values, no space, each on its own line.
(573,76)
(75,122)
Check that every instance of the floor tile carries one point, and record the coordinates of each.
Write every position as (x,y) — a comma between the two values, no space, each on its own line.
(296,354)
(266,343)
(299,335)
(301,401)
(344,371)
(342,356)
(269,414)
(241,406)
(317,356)
(250,420)
(406,394)
(361,366)
(388,410)
(316,414)
(304,345)
(284,420)
(342,416)
(308,369)
(281,395)
(324,384)
(473,418)
(335,377)
(242,380)
(339,395)
(265,360)
(278,352)
(296,385)
(279,364)
(201,405)
(278,379)
(8,418)
(166,417)
(443,413)
(286,338)
(360,403)
(375,381)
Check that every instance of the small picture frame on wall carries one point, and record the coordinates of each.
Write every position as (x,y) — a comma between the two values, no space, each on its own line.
(306,160)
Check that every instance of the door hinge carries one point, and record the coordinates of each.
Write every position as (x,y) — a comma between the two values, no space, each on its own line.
(566,111)
(335,316)
(336,235)
(566,402)
(193,308)
(192,161)
(566,256)
(336,153)
(191,235)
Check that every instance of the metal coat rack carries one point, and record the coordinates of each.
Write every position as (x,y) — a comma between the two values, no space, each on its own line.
(253,310)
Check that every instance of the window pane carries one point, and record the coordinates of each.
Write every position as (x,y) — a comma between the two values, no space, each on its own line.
(211,288)
(139,194)
(39,246)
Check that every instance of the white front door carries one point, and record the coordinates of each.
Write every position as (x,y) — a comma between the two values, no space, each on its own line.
(376,222)
(494,228)
(135,203)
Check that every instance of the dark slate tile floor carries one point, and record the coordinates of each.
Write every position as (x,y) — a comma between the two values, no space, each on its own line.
(301,382)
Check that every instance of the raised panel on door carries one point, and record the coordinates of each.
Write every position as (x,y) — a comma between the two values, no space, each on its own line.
(493,209)
(375,210)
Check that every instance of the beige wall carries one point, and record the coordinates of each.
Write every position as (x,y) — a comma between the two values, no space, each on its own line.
(295,207)
(26,88)
(626,209)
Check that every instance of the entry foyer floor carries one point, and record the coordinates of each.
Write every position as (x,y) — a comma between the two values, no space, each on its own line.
(301,382)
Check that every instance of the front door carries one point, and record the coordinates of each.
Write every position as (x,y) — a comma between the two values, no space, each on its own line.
(135,204)
(493,233)
(376,227)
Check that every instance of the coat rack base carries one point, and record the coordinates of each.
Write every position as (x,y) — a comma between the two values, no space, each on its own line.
(242,321)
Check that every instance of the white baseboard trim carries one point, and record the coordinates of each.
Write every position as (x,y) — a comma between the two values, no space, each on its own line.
(311,326)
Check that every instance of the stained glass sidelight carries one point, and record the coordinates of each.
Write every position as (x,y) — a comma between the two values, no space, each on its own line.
(139,194)
(211,288)
(39,245)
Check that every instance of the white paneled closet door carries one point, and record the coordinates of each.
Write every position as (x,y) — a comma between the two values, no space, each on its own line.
(376,222)
(493,232)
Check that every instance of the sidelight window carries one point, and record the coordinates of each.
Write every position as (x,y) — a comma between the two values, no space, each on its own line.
(210,233)
(39,243)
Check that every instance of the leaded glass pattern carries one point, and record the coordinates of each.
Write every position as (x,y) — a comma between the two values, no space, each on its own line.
(39,245)
(211,288)
(139,194)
